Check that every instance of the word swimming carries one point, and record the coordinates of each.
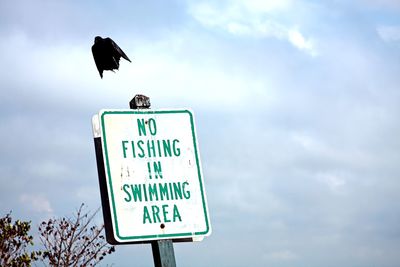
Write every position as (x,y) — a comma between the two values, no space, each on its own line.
(156,191)
(151,148)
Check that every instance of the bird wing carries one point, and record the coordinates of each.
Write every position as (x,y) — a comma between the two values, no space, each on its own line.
(96,56)
(117,50)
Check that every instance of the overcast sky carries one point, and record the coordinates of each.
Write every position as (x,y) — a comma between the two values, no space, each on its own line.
(297,106)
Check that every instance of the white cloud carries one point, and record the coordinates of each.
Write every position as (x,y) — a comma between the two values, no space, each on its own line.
(389,33)
(299,41)
(37,203)
(263,6)
(190,80)
(252,19)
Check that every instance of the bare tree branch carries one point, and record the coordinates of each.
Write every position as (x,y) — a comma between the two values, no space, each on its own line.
(74,241)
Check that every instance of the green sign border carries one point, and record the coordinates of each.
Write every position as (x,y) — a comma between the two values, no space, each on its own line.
(111,193)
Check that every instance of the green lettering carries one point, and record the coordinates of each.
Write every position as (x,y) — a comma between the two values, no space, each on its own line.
(153,192)
(145,192)
(170,190)
(165,213)
(124,148)
(136,192)
(156,211)
(163,191)
(176,214)
(167,148)
(177,150)
(141,127)
(125,187)
(149,169)
(157,169)
(152,126)
(159,148)
(140,143)
(151,150)
(178,190)
(186,193)
(146,215)
(133,149)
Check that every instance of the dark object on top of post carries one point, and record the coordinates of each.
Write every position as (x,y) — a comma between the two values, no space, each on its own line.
(140,102)
(163,250)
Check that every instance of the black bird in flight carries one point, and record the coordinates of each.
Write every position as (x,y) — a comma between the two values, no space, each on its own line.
(106,54)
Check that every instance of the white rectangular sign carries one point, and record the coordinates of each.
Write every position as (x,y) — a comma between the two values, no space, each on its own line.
(153,171)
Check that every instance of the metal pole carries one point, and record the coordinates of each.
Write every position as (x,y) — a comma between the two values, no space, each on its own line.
(163,253)
(163,250)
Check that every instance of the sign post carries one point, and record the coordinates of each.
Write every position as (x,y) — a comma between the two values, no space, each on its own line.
(163,250)
(150,177)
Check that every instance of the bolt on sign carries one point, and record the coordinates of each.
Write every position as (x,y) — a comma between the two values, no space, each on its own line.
(154,186)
